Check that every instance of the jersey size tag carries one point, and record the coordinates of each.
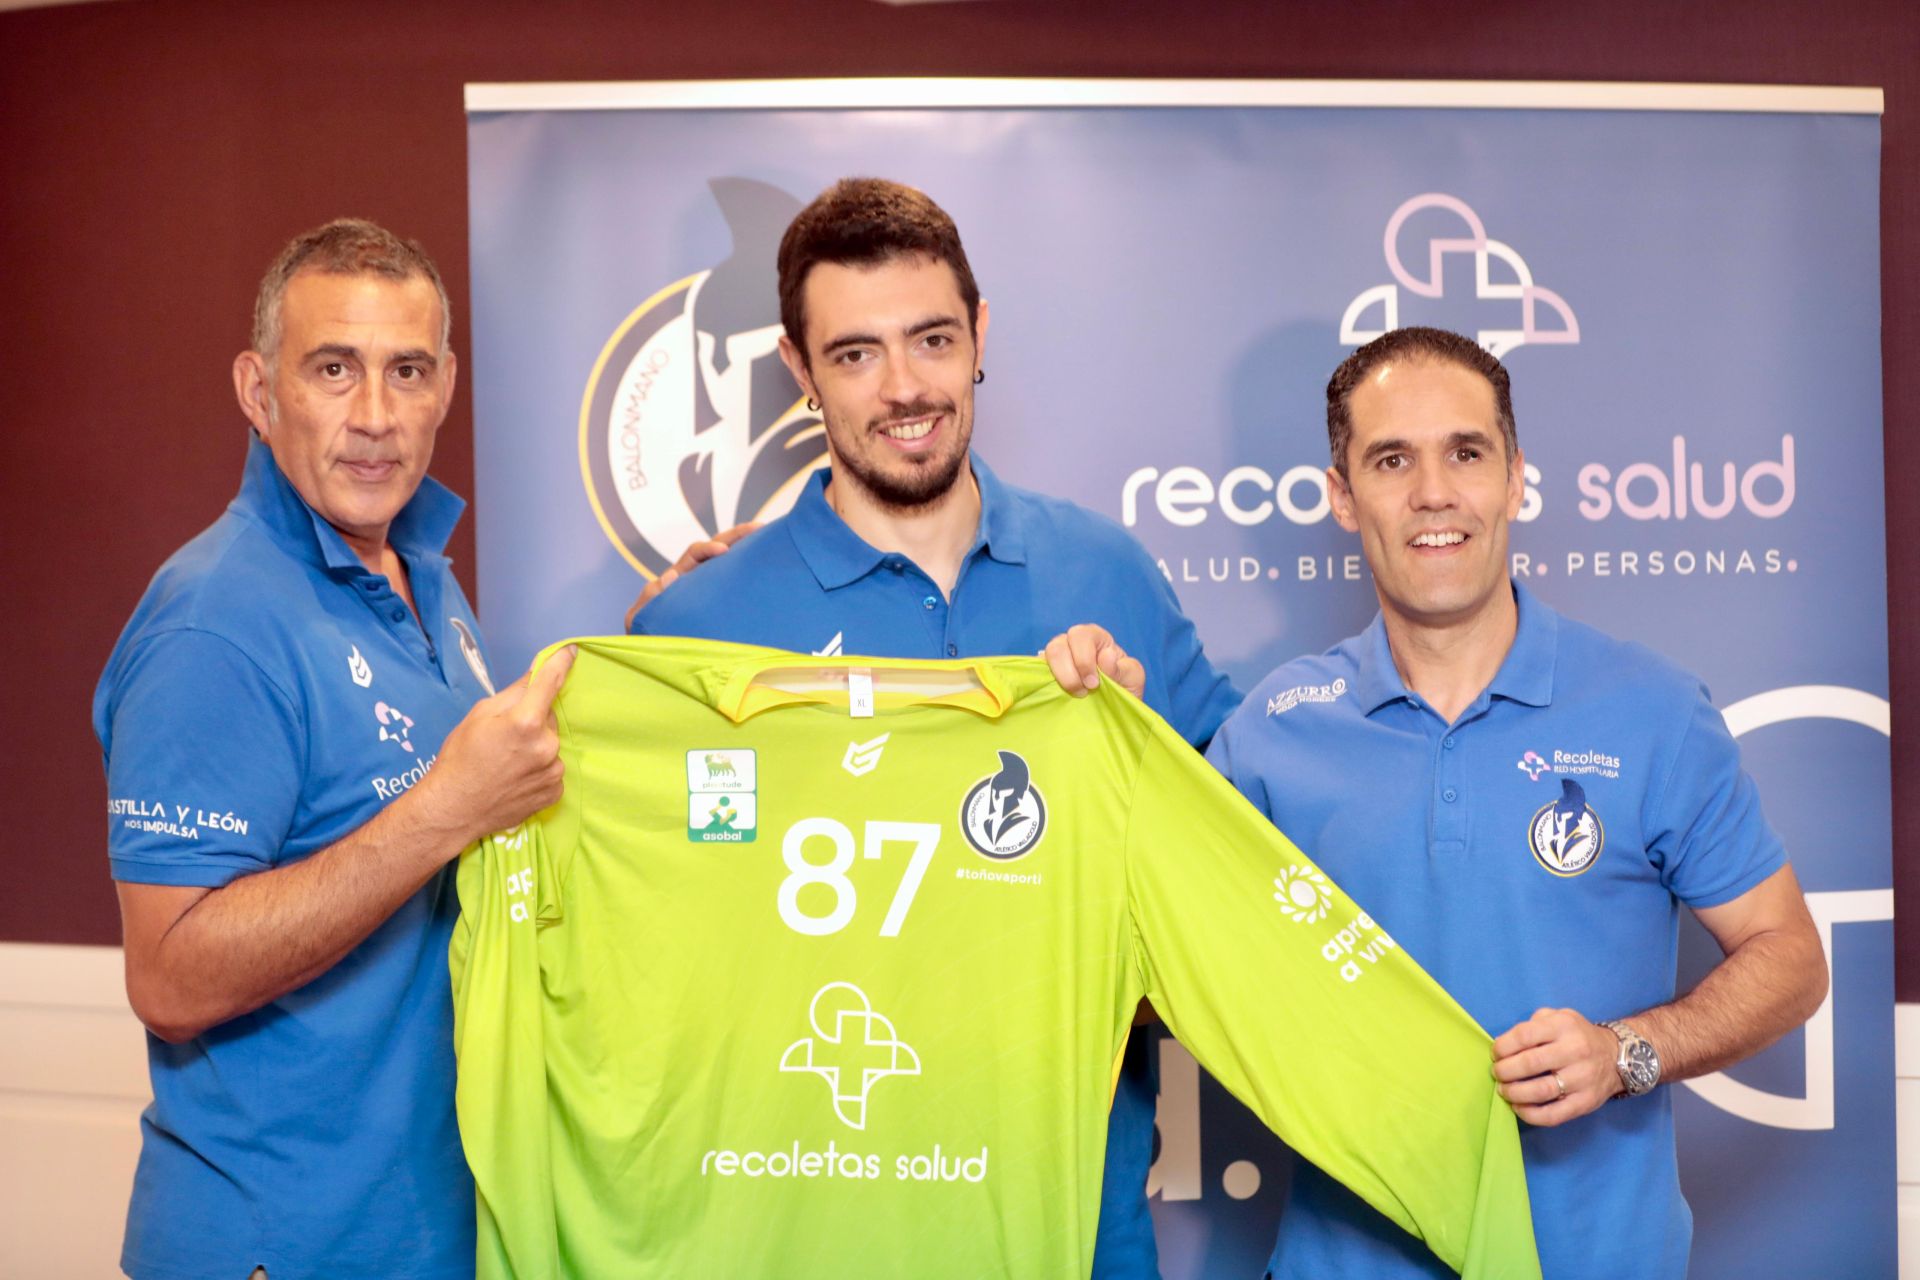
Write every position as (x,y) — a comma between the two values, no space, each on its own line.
(860,694)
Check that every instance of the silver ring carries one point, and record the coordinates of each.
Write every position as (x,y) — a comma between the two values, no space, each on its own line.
(1559,1084)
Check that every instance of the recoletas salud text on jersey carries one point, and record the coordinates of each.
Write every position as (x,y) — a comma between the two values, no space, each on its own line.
(822,967)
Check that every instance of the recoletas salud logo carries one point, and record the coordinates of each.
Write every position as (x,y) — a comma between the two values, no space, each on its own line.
(690,423)
(1446,226)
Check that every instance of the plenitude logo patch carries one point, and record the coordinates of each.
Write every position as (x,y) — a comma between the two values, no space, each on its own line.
(722,796)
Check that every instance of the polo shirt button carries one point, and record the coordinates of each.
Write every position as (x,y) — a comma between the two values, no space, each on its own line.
(927,603)
(1449,795)
(953,651)
(1447,742)
(399,614)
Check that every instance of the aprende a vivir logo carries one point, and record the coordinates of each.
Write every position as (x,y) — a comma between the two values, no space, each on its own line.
(1444,226)
(1004,814)
(1566,835)
(690,423)
(1304,894)
(853,1047)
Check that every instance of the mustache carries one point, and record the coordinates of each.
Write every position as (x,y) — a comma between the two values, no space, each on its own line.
(918,409)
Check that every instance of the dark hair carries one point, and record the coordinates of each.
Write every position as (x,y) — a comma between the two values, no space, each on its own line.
(343,247)
(1415,343)
(863,222)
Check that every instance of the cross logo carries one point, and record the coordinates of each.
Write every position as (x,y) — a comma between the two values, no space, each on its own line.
(852,1048)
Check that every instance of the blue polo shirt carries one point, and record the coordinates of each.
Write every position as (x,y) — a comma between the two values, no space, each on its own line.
(269,697)
(1534,853)
(1038,565)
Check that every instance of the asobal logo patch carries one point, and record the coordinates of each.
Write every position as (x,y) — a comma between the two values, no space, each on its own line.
(853,1047)
(1004,815)
(722,796)
(690,423)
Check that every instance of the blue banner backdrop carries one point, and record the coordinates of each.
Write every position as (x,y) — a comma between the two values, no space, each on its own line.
(1689,304)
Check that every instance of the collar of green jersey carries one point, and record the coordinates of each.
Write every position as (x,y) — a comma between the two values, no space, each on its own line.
(986,687)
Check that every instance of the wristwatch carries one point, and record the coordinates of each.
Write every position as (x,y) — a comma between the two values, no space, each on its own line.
(1638,1064)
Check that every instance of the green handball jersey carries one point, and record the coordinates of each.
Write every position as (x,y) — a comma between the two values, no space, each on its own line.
(823,967)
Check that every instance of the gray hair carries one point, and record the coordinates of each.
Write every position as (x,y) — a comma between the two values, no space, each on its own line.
(343,247)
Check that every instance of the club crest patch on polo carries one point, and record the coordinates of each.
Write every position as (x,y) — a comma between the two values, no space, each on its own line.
(1566,836)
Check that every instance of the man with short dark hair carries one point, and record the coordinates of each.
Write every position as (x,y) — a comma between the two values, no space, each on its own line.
(1524,803)
(300,733)
(909,546)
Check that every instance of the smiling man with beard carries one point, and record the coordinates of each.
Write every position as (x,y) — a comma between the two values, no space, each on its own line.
(908,546)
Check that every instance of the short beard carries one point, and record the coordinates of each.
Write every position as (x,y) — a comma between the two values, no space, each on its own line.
(925,485)
(929,481)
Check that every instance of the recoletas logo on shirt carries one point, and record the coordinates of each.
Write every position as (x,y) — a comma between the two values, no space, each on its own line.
(690,423)
(1004,815)
(1566,836)
(853,1047)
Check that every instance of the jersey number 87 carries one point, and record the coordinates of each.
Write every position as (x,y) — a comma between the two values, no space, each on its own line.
(832,874)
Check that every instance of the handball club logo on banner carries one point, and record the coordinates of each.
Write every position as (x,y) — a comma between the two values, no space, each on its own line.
(690,423)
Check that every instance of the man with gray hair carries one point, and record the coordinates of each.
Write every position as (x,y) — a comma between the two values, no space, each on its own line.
(300,733)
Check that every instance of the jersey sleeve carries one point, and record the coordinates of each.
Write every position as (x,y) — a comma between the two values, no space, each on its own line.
(511,890)
(1707,833)
(1306,1010)
(205,754)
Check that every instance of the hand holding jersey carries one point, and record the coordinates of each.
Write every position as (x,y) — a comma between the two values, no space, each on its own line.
(502,761)
(780,988)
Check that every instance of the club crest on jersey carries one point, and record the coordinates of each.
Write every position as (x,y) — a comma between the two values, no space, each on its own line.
(470,650)
(689,422)
(722,796)
(1566,836)
(1004,814)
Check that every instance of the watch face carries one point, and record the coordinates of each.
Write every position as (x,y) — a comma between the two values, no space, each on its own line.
(1643,1066)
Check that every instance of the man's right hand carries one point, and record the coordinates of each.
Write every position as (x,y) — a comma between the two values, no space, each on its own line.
(697,554)
(501,764)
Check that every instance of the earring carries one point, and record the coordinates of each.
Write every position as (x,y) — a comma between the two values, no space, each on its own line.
(813,406)
(979,376)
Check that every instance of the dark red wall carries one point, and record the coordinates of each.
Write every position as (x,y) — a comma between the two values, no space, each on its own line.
(154,155)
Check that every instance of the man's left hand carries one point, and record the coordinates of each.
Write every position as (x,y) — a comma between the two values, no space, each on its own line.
(1556,1066)
(1088,651)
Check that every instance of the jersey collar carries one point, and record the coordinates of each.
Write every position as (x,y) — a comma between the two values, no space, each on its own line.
(837,555)
(784,679)
(1525,676)
(269,499)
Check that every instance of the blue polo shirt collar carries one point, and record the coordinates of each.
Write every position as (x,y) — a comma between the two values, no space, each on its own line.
(269,499)
(837,556)
(1526,676)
